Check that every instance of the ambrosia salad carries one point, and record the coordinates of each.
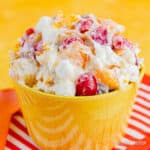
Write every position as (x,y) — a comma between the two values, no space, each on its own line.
(82,56)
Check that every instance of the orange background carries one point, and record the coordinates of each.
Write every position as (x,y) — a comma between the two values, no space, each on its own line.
(17,15)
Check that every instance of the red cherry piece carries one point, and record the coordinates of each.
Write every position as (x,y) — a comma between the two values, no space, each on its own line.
(119,42)
(86,85)
(70,40)
(29,31)
(100,35)
(85,25)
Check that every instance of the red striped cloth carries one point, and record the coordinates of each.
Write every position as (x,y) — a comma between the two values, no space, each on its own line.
(137,135)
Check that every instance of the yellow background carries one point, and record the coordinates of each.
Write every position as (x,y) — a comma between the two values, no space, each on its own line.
(17,15)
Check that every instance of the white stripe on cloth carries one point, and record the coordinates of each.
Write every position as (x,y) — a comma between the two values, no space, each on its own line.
(142,102)
(145,87)
(135,134)
(20,120)
(141,117)
(18,143)
(141,109)
(139,125)
(143,94)
(21,133)
(127,141)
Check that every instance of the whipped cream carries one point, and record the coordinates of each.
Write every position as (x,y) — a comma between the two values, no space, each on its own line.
(53,56)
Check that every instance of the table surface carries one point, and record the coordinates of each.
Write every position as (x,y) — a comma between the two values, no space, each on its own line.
(17,15)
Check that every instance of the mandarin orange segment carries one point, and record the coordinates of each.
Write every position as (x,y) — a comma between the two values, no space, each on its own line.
(77,56)
(85,59)
(106,78)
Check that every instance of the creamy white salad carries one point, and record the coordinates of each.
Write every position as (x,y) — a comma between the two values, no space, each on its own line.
(82,56)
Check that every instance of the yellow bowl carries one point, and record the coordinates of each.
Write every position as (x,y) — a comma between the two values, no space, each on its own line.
(79,123)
